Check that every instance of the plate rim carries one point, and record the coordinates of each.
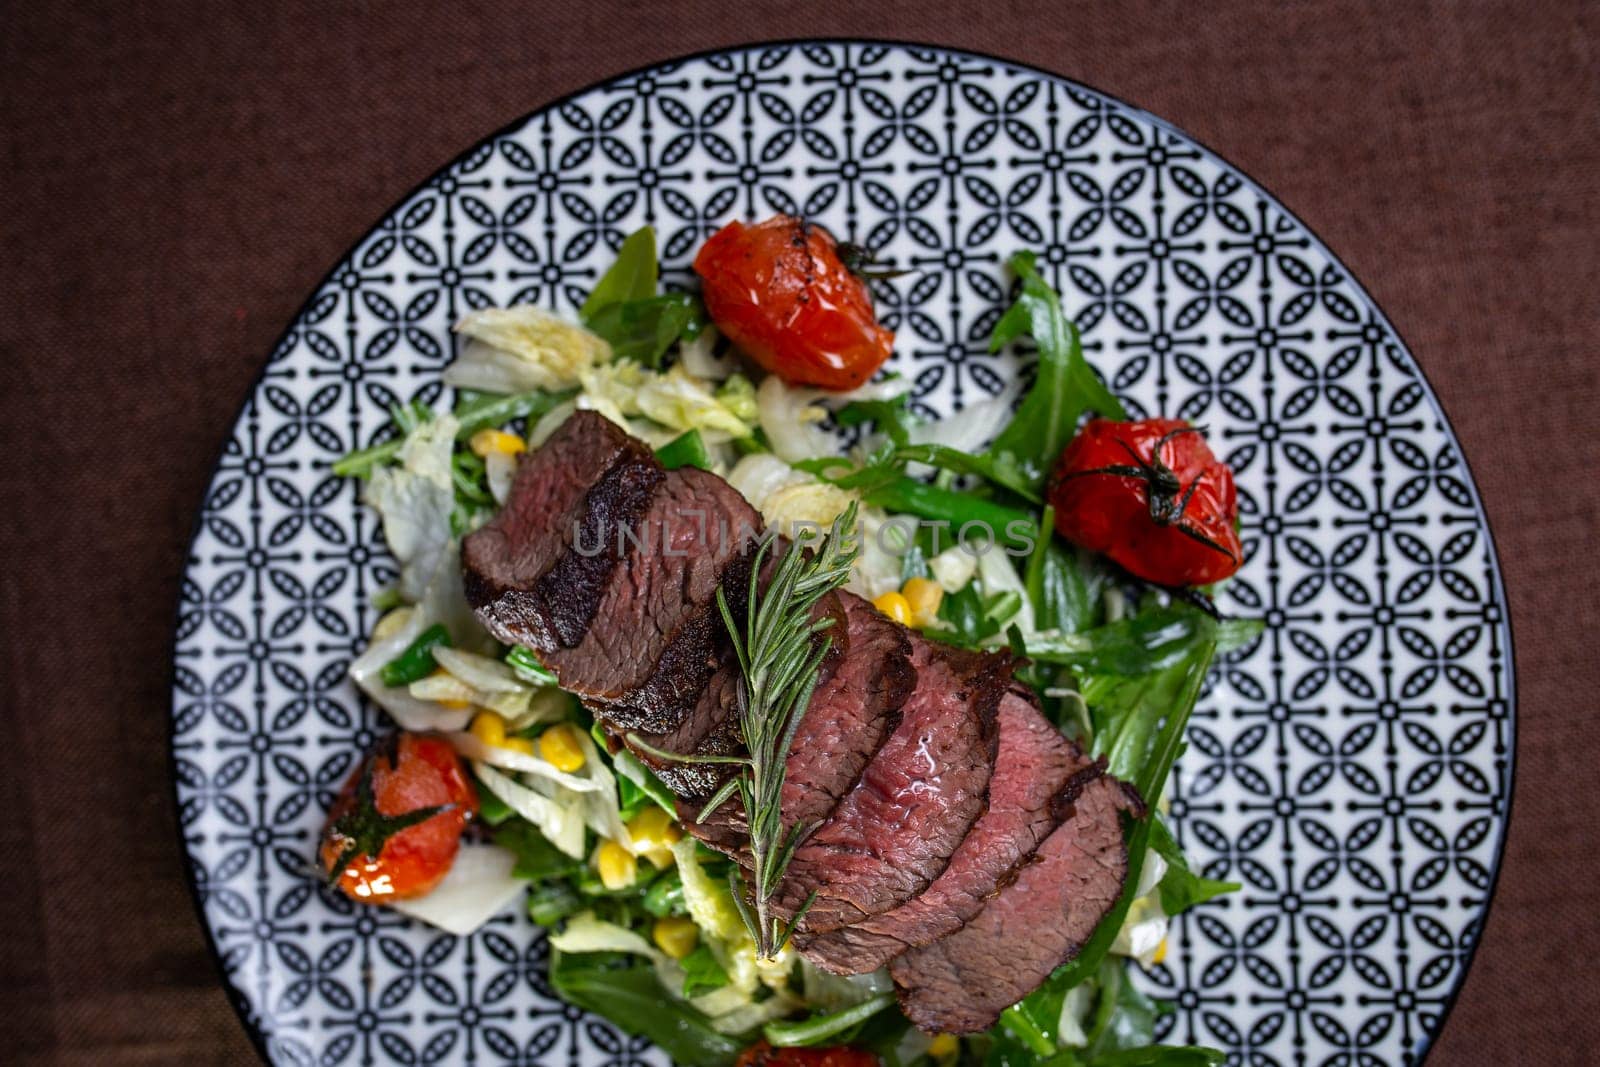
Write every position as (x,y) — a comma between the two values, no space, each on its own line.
(236,996)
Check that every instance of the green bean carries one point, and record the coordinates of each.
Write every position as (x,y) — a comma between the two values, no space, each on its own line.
(417,661)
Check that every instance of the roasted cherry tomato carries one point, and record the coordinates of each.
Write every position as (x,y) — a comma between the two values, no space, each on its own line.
(396,826)
(764,1055)
(1152,497)
(781,293)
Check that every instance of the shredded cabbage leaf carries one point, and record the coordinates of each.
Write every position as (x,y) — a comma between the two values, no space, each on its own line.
(516,349)
(413,498)
(478,886)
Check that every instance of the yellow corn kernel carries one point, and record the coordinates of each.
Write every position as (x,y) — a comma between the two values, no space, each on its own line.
(1160,953)
(489,728)
(523,745)
(923,596)
(944,1046)
(653,828)
(559,746)
(486,441)
(618,869)
(675,936)
(895,606)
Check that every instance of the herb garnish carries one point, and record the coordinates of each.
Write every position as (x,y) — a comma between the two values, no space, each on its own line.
(778,663)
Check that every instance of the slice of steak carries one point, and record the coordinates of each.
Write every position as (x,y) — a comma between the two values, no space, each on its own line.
(961,983)
(522,575)
(895,831)
(654,639)
(710,729)
(861,688)
(1034,765)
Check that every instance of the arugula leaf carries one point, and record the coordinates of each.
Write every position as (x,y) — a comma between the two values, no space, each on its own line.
(630,996)
(1064,385)
(894,421)
(1065,584)
(643,330)
(826,1026)
(633,276)
(537,859)
(972,616)
(1180,888)
(1139,726)
(701,972)
(686,450)
(890,416)
(1234,634)
(1124,1018)
(1130,648)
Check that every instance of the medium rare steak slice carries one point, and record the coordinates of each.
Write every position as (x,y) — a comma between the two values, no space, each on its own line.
(895,831)
(655,636)
(854,708)
(1034,765)
(961,983)
(522,576)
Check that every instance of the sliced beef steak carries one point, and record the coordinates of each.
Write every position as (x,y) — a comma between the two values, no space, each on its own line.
(522,575)
(1034,764)
(962,982)
(710,729)
(653,643)
(895,831)
(855,707)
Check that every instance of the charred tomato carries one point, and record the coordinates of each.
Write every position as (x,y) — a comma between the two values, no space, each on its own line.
(396,826)
(1152,497)
(781,291)
(764,1055)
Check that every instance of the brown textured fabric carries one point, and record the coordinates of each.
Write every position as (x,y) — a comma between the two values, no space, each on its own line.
(177,178)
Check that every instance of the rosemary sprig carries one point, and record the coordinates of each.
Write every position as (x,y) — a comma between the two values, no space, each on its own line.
(778,663)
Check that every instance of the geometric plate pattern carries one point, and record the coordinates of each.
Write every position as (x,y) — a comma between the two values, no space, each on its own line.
(1351,768)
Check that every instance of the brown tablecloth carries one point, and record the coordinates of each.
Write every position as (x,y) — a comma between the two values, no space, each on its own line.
(177,178)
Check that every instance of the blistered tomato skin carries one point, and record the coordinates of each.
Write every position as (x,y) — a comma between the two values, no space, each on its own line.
(1151,496)
(764,1055)
(779,291)
(379,835)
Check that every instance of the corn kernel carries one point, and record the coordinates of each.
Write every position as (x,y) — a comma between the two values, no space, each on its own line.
(895,606)
(618,869)
(489,728)
(523,745)
(944,1046)
(675,936)
(1160,953)
(559,746)
(923,597)
(653,828)
(486,441)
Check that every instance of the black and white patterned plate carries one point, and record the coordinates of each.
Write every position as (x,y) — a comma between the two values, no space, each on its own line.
(1352,769)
